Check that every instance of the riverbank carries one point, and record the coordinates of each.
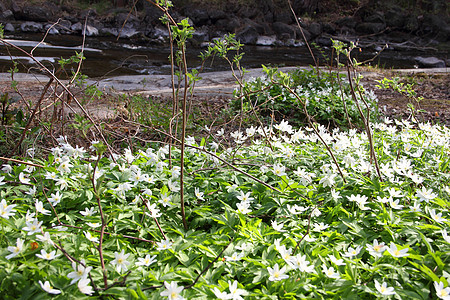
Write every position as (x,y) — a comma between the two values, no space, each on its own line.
(216,88)
(263,23)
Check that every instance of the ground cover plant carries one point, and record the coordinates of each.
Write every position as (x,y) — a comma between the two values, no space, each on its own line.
(327,96)
(269,218)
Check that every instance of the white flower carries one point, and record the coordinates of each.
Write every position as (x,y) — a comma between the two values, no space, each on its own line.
(45,238)
(235,293)
(165,200)
(393,250)
(23,178)
(376,249)
(6,210)
(221,295)
(395,204)
(245,197)
(244,207)
(425,194)
(48,288)
(329,272)
(319,227)
(172,291)
(277,227)
(445,236)
(395,193)
(295,209)
(335,194)
(173,186)
(198,194)
(415,207)
(328,180)
(40,208)
(120,261)
(47,256)
(277,274)
(284,252)
(384,199)
(55,198)
(31,191)
(15,250)
(154,211)
(84,287)
(33,227)
(93,225)
(299,262)
(441,292)
(88,235)
(146,261)
(234,257)
(164,245)
(437,217)
(383,289)
(279,170)
(88,212)
(79,272)
(352,252)
(337,262)
(6,168)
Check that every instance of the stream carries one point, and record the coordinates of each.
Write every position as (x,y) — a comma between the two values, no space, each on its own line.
(105,57)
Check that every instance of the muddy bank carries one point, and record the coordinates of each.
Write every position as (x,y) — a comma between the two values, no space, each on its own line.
(218,87)
(264,23)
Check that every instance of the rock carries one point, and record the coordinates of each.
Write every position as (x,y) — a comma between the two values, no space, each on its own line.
(283,16)
(228,25)
(128,32)
(9,27)
(376,17)
(395,18)
(370,28)
(348,22)
(430,62)
(160,33)
(299,34)
(199,37)
(52,30)
(199,16)
(324,41)
(411,24)
(7,15)
(329,28)
(77,27)
(315,29)
(248,35)
(35,13)
(64,24)
(91,31)
(109,31)
(283,31)
(31,27)
(447,62)
(266,40)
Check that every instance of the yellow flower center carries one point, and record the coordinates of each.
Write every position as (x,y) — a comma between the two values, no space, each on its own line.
(120,261)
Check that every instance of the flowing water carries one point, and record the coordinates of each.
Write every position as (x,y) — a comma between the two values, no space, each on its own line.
(107,57)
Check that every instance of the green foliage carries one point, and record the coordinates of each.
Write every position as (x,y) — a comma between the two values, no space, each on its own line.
(285,94)
(332,239)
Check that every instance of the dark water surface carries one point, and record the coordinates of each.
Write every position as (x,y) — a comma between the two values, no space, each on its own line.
(107,57)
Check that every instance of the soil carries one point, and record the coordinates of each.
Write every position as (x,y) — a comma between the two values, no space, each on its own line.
(113,111)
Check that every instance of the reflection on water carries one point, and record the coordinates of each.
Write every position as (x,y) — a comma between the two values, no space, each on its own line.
(107,57)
